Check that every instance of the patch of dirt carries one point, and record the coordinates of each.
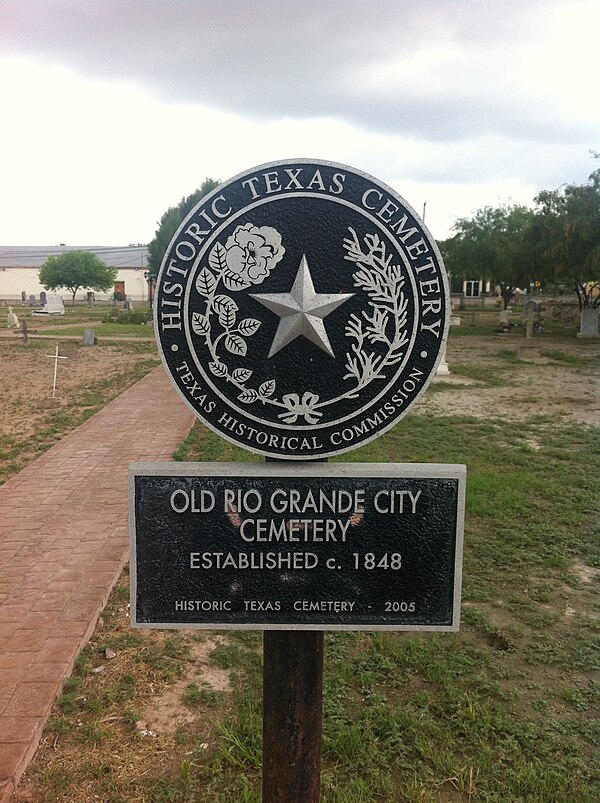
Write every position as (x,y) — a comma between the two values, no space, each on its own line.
(31,420)
(28,372)
(167,712)
(587,574)
(532,385)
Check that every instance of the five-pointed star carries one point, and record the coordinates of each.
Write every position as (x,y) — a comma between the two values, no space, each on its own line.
(301,311)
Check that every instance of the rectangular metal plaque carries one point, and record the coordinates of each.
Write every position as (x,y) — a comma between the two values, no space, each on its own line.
(354,546)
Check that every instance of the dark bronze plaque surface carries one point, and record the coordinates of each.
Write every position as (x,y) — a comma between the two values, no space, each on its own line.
(301,308)
(355,546)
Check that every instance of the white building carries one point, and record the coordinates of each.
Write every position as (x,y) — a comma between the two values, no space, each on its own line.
(20,266)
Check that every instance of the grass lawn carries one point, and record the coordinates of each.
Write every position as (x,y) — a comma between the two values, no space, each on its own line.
(80,317)
(104,330)
(481,321)
(505,711)
(73,314)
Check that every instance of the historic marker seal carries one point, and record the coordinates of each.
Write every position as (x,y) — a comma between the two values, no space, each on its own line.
(301,308)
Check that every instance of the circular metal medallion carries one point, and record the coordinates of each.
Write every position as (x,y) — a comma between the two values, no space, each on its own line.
(301,308)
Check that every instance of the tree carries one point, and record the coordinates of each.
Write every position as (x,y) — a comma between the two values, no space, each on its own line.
(170,221)
(494,245)
(566,230)
(75,269)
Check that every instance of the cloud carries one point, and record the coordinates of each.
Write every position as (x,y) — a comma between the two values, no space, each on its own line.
(434,70)
(115,110)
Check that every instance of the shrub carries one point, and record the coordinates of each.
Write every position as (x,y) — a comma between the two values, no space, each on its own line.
(127,316)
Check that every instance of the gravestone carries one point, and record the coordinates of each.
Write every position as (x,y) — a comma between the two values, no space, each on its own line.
(89,337)
(23,297)
(589,323)
(504,322)
(531,315)
(555,310)
(12,322)
(569,316)
(55,305)
(43,297)
(90,298)
(32,301)
(443,367)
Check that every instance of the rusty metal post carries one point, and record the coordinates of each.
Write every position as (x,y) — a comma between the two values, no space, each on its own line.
(292,715)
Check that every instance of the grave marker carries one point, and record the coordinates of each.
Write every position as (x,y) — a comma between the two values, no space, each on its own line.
(56,358)
(443,368)
(12,321)
(54,306)
(589,323)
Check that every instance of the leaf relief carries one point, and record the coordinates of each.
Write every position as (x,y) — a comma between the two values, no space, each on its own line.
(200,324)
(236,345)
(205,282)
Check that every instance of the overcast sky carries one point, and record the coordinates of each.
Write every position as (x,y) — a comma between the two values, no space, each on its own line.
(112,110)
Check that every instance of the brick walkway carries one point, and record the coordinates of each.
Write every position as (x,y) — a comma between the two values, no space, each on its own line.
(63,543)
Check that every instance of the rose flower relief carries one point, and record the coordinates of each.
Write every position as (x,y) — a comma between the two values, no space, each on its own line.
(252,252)
(247,258)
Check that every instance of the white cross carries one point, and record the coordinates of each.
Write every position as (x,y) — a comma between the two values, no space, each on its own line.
(56,358)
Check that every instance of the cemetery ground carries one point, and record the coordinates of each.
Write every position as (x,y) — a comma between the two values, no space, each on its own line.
(30,419)
(505,711)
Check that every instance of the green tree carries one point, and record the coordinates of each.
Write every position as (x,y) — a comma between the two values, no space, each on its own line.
(169,223)
(494,245)
(566,231)
(75,269)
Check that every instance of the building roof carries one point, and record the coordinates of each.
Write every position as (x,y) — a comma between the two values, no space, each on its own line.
(31,256)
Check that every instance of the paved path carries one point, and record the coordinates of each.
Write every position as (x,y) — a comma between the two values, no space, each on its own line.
(63,543)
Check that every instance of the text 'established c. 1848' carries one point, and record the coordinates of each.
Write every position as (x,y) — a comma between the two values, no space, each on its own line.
(360,546)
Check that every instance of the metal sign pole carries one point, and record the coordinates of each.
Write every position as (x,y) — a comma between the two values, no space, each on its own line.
(292,715)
